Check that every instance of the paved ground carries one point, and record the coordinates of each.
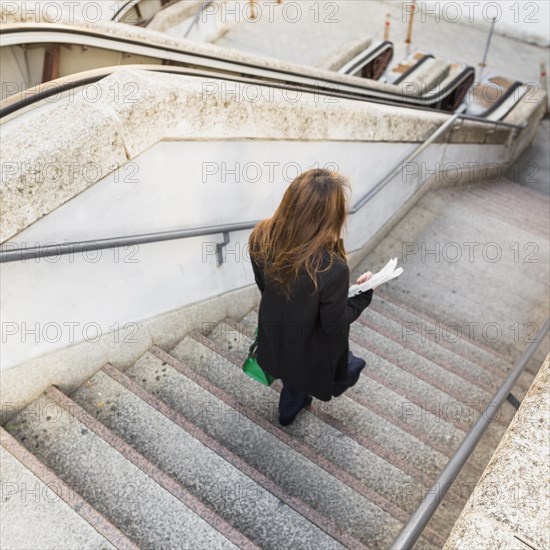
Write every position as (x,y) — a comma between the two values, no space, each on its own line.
(533,168)
(322,29)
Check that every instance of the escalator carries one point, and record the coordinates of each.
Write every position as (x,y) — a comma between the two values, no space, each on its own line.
(36,54)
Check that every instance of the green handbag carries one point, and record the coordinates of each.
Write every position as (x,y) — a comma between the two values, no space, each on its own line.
(252,368)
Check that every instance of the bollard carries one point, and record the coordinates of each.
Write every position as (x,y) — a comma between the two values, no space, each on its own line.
(544,84)
(414,8)
(387,27)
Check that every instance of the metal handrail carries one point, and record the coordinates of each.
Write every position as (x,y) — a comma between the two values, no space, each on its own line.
(399,167)
(115,242)
(123,9)
(195,21)
(422,515)
(14,254)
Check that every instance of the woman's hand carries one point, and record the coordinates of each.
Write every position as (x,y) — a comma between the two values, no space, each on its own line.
(364,278)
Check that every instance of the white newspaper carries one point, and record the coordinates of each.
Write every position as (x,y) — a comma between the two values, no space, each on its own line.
(387,273)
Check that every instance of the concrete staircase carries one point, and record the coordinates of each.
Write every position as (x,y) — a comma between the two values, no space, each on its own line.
(181,449)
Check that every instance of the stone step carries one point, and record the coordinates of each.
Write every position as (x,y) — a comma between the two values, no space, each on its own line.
(426,396)
(517,197)
(509,187)
(432,334)
(505,188)
(120,483)
(464,345)
(249,322)
(535,225)
(228,341)
(34,499)
(428,426)
(376,472)
(435,423)
(381,404)
(181,450)
(238,336)
(422,417)
(443,288)
(440,425)
(408,336)
(507,203)
(341,511)
(422,369)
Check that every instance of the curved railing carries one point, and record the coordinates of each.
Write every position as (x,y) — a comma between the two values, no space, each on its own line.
(371,62)
(124,8)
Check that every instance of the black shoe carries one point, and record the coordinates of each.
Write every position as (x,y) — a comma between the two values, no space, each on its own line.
(286,421)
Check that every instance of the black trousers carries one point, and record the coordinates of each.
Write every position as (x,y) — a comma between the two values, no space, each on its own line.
(291,400)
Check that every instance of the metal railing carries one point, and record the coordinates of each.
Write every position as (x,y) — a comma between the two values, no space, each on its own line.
(422,515)
(125,7)
(399,167)
(195,21)
(13,253)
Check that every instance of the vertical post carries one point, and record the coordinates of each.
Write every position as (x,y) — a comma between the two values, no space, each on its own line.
(484,62)
(544,84)
(252,9)
(414,7)
(387,27)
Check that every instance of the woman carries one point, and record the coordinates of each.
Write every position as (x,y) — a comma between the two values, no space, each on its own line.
(300,267)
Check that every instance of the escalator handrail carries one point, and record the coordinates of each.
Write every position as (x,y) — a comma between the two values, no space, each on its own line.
(361,58)
(361,87)
(54,87)
(128,5)
(503,98)
(412,68)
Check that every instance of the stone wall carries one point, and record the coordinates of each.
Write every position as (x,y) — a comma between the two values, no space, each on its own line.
(510,506)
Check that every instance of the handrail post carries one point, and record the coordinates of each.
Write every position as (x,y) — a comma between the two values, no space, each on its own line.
(220,247)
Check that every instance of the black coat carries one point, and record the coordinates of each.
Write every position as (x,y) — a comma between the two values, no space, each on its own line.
(304,340)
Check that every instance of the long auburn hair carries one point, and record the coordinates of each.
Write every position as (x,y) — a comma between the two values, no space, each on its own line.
(305,226)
